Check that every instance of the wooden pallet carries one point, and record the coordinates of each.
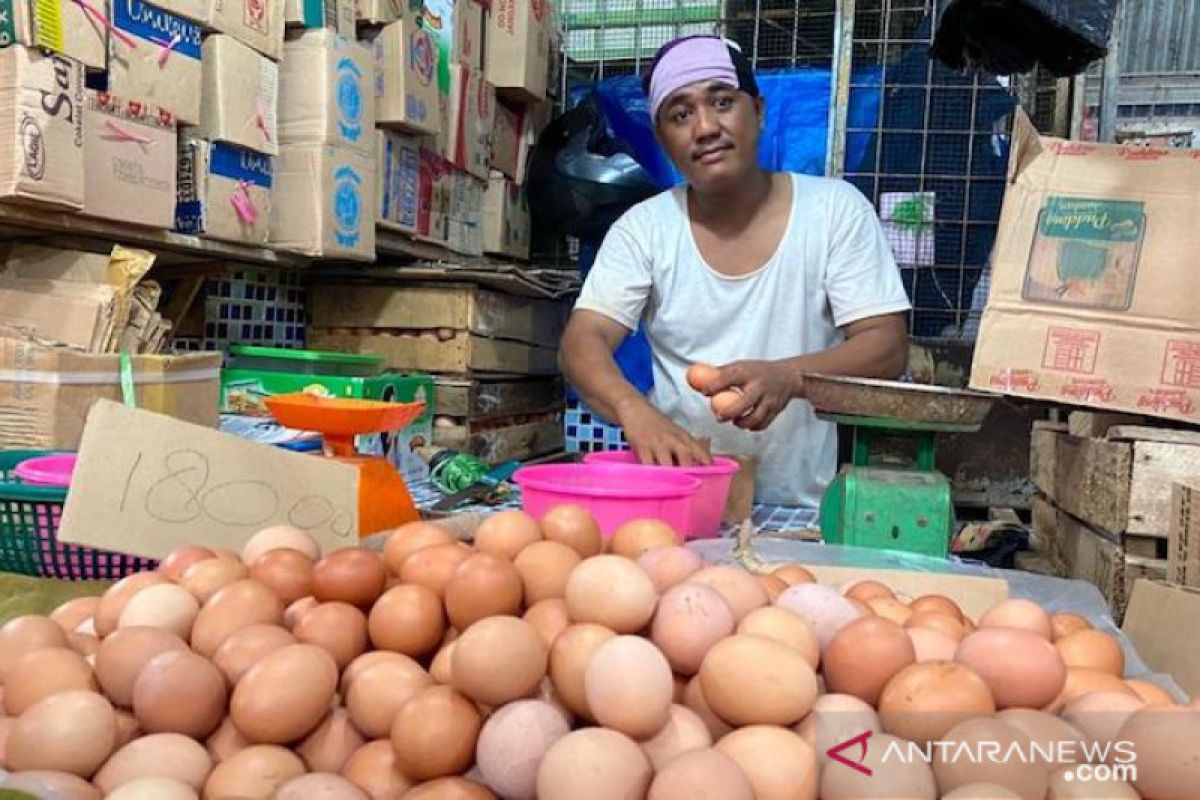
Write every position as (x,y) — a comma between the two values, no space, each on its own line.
(474,398)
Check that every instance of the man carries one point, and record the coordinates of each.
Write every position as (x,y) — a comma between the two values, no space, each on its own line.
(764,275)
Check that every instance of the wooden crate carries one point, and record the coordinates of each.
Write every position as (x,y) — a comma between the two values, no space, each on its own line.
(460,353)
(465,398)
(495,441)
(1184,550)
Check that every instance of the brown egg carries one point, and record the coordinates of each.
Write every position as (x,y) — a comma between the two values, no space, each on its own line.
(571,766)
(364,662)
(319,786)
(890,777)
(669,566)
(71,732)
(569,657)
(255,773)
(792,574)
(239,605)
(684,731)
(1099,716)
(1065,784)
(1021,667)
(736,585)
(981,791)
(611,591)
(22,635)
(293,613)
(286,572)
(440,669)
(938,604)
(498,660)
(512,744)
(409,538)
(635,537)
(205,578)
(83,643)
(784,627)
(938,621)
(433,566)
(165,605)
(1064,623)
(701,774)
(690,619)
(112,602)
(924,701)
(449,789)
(278,537)
(73,613)
(331,744)
(834,719)
(544,568)
(339,628)
(889,608)
(44,672)
(380,690)
(407,619)
(1166,745)
(1081,681)
(127,727)
(573,525)
(1093,649)
(864,655)
(246,647)
(1026,779)
(1149,692)
(122,656)
(178,560)
(284,696)
(6,726)
(549,618)
(1018,613)
(372,768)
(354,575)
(865,590)
(779,764)
(507,533)
(225,741)
(628,686)
(179,692)
(771,585)
(1048,731)
(749,680)
(822,607)
(484,585)
(64,784)
(931,645)
(434,734)
(164,755)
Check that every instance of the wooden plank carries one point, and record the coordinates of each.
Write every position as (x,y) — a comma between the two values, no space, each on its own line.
(478,399)
(1183,553)
(1051,425)
(1089,424)
(1156,466)
(502,444)
(1044,521)
(1142,546)
(1139,433)
(1043,458)
(427,353)
(1091,481)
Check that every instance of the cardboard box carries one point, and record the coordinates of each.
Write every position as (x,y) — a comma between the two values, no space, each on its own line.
(507,139)
(518,48)
(398,169)
(437,17)
(436,188)
(379,12)
(472,114)
(162,67)
(323,202)
(406,90)
(240,96)
(45,392)
(335,14)
(225,192)
(131,153)
(1085,308)
(537,117)
(41,160)
(255,23)
(326,94)
(467,47)
(72,29)
(426,352)
(506,222)
(1153,622)
(464,224)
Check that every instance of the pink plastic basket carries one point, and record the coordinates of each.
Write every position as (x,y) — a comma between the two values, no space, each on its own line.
(614,493)
(708,506)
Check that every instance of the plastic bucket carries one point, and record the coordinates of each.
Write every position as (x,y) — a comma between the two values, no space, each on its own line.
(708,506)
(614,493)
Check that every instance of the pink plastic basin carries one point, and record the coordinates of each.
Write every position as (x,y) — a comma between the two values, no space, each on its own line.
(614,493)
(52,470)
(708,506)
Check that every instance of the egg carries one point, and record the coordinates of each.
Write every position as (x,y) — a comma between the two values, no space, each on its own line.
(778,763)
(165,755)
(864,655)
(573,525)
(703,774)
(372,768)
(331,743)
(1092,648)
(49,783)
(338,628)
(225,741)
(937,604)
(112,602)
(1081,681)
(569,657)
(823,608)
(1059,742)
(1024,778)
(22,635)
(938,621)
(636,536)
(1018,613)
(293,613)
(483,585)
(981,791)
(286,572)
(73,613)
(497,660)
(771,585)
(507,533)
(407,619)
(1065,784)
(440,668)
(368,659)
(246,647)
(319,786)
(736,585)
(127,728)
(834,719)
(284,696)
(178,560)
(889,608)
(449,789)
(699,376)
(594,764)
(628,686)
(72,731)
(354,575)
(931,645)
(749,680)
(924,701)
(683,732)
(255,773)
(1099,716)
(238,605)
(279,537)
(694,699)
(179,692)
(725,404)
(433,566)
(155,788)
(544,568)
(669,566)
(611,591)
(512,744)
(1149,692)
(549,618)
(434,734)
(6,726)
(205,578)
(42,673)
(1021,667)
(690,619)
(409,538)
(379,692)
(792,574)
(123,655)
(866,589)
(166,606)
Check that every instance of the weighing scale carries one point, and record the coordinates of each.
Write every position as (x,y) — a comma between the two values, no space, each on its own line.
(384,501)
(890,505)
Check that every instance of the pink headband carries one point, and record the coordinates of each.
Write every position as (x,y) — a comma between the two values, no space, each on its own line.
(691,61)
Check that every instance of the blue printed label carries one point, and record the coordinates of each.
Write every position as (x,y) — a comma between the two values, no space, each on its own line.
(349,100)
(238,164)
(158,26)
(347,206)
(189,217)
(410,186)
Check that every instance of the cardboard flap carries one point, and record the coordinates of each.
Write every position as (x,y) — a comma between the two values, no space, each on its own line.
(1153,621)
(1026,145)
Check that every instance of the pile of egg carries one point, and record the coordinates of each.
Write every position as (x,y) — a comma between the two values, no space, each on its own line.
(544,661)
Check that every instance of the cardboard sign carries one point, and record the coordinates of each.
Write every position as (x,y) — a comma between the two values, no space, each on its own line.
(146,483)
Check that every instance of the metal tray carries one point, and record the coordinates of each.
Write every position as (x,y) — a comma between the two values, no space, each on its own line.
(912,402)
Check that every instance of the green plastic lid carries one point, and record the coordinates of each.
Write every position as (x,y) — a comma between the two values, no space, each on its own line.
(308,356)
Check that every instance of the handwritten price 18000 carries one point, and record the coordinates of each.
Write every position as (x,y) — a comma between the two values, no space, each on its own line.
(183,494)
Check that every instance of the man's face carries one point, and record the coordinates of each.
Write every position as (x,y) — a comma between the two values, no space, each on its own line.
(710,131)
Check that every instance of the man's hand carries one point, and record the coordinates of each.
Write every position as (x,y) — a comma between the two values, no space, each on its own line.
(766,388)
(658,440)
